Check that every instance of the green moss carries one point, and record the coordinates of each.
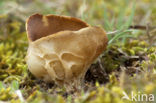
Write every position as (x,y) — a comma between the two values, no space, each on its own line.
(130,66)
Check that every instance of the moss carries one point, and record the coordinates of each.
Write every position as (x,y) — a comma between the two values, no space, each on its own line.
(13,67)
(130,66)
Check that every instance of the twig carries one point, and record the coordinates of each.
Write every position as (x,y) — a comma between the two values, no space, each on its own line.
(142,27)
(139,27)
(101,66)
(112,32)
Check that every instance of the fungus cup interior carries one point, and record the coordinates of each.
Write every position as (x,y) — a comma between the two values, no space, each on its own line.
(39,26)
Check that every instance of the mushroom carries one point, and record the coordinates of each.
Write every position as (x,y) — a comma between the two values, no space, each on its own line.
(62,48)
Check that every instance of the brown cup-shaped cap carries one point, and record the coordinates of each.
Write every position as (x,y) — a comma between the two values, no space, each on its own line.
(38,26)
(62,48)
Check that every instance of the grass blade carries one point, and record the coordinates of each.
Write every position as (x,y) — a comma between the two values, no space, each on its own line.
(117,36)
(130,19)
(107,24)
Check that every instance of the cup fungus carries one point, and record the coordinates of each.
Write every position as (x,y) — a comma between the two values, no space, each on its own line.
(62,48)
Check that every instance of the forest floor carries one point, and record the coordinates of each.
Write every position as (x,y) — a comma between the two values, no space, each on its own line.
(127,66)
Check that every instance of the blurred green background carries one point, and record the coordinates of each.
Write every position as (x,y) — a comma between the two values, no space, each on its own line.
(130,59)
